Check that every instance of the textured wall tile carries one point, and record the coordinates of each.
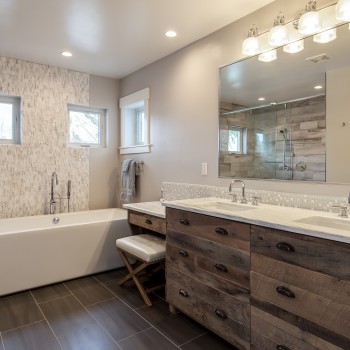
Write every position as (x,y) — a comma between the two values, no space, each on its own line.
(177,191)
(26,169)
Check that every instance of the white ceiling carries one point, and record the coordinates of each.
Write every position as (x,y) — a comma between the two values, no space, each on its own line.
(110,37)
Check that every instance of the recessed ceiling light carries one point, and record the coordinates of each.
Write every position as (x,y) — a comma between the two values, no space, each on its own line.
(170,34)
(261,99)
(318,87)
(66,54)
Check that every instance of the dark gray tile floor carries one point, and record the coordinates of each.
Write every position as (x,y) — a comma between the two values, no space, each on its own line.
(94,313)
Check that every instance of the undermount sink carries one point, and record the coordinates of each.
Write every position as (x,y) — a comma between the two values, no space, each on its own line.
(224,206)
(340,224)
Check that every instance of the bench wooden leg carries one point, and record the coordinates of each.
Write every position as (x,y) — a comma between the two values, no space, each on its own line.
(132,274)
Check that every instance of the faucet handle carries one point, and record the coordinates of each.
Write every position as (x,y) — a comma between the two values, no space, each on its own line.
(343,213)
(234,197)
(244,200)
(255,200)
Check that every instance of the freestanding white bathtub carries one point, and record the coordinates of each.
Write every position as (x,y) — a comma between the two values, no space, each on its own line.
(34,251)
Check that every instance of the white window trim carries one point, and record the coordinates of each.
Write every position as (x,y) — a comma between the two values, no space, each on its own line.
(103,125)
(16,120)
(135,98)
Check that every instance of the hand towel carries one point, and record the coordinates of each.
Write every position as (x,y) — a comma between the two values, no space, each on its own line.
(128,180)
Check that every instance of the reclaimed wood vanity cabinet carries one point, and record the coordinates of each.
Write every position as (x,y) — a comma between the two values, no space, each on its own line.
(300,291)
(208,271)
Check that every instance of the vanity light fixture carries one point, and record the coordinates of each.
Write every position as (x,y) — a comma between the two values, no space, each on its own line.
(326,36)
(310,22)
(66,54)
(278,35)
(261,99)
(294,47)
(342,10)
(318,87)
(268,56)
(251,45)
(170,34)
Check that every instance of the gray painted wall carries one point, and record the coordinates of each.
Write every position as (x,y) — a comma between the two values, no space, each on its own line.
(104,162)
(184,109)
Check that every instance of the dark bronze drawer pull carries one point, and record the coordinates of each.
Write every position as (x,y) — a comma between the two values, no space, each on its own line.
(221,267)
(221,314)
(183,253)
(148,221)
(221,231)
(285,291)
(281,347)
(183,293)
(184,222)
(285,246)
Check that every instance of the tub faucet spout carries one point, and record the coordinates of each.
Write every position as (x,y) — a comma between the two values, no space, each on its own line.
(52,195)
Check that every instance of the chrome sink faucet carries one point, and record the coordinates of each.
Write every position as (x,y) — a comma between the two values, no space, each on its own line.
(243,200)
(52,196)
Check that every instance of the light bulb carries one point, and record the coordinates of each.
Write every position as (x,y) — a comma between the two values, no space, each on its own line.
(268,56)
(342,11)
(278,35)
(251,45)
(310,22)
(326,36)
(294,47)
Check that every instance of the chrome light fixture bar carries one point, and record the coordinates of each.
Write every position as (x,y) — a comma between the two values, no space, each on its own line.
(320,23)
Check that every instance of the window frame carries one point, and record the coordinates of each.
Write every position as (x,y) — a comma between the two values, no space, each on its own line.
(242,139)
(129,105)
(102,125)
(16,119)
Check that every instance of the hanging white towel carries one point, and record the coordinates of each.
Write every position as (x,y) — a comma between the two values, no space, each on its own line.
(128,174)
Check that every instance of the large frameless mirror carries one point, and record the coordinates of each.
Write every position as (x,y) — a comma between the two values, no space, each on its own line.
(284,119)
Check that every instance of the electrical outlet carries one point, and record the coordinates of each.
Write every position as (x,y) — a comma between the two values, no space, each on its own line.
(204,168)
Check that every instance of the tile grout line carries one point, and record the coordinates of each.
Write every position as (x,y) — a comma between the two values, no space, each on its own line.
(188,341)
(54,299)
(142,317)
(46,319)
(103,329)
(19,327)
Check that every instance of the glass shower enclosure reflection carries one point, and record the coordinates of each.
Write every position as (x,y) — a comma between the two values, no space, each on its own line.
(283,141)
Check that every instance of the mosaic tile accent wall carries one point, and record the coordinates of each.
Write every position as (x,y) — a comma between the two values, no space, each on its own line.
(177,191)
(25,170)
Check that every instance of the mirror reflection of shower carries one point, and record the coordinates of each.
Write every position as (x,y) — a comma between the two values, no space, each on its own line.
(288,154)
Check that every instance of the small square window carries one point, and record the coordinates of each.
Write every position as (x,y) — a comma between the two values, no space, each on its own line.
(87,126)
(237,140)
(10,120)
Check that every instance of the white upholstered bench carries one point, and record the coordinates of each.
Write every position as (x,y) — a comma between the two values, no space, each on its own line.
(148,250)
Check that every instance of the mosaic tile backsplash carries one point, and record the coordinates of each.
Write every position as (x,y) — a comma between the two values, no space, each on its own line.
(25,169)
(176,191)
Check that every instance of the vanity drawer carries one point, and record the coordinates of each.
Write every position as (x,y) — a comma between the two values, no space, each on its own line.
(226,232)
(332,317)
(223,314)
(150,222)
(313,253)
(326,286)
(217,258)
(271,333)
(232,282)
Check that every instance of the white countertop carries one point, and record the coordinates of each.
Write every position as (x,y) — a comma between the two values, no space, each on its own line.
(272,216)
(151,208)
